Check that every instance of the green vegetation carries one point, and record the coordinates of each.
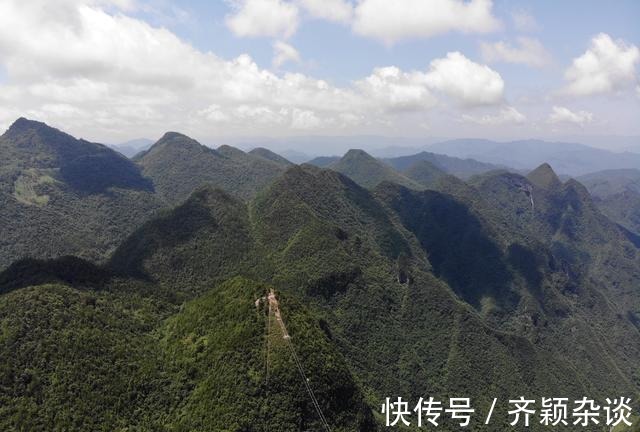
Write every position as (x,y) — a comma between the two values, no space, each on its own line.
(77,359)
(61,196)
(425,173)
(497,287)
(462,168)
(617,195)
(269,155)
(368,171)
(178,165)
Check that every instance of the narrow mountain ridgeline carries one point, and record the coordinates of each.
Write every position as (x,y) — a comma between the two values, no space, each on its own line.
(462,168)
(178,165)
(323,161)
(269,155)
(297,298)
(425,173)
(617,194)
(78,359)
(368,171)
(62,196)
(567,158)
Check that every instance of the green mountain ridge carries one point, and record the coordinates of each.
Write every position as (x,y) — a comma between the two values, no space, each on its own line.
(390,284)
(462,168)
(63,196)
(269,155)
(178,165)
(368,171)
(617,195)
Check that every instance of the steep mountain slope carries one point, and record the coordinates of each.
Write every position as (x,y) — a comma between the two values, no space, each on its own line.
(490,289)
(617,195)
(462,168)
(78,359)
(605,183)
(368,171)
(425,173)
(323,161)
(544,177)
(269,155)
(203,241)
(60,195)
(178,165)
(373,282)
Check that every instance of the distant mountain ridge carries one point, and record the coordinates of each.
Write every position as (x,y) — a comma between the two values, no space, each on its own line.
(617,194)
(567,158)
(178,165)
(393,276)
(462,168)
(383,290)
(133,147)
(368,171)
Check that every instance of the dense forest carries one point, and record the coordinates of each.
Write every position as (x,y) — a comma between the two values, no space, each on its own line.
(198,289)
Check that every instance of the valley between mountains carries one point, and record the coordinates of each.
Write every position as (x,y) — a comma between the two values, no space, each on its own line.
(130,288)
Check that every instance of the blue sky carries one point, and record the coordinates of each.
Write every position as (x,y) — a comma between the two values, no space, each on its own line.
(335,53)
(116,69)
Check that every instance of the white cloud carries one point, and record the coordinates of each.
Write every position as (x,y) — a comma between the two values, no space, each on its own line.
(469,83)
(395,90)
(564,115)
(506,115)
(95,71)
(523,21)
(304,119)
(273,18)
(283,53)
(331,10)
(607,66)
(529,51)
(393,21)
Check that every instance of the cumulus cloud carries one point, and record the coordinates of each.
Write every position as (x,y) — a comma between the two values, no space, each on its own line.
(94,70)
(331,10)
(506,115)
(395,90)
(393,21)
(608,66)
(528,51)
(273,18)
(118,72)
(564,115)
(283,53)
(465,81)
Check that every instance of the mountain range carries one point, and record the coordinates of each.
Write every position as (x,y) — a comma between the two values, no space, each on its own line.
(243,292)
(567,158)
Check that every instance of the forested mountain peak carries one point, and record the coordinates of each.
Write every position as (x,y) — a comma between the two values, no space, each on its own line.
(270,155)
(544,177)
(368,171)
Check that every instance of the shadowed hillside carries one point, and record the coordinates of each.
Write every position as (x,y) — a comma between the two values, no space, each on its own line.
(368,171)
(63,196)
(178,165)
(502,286)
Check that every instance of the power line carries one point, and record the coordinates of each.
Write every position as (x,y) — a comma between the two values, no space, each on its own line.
(272,297)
